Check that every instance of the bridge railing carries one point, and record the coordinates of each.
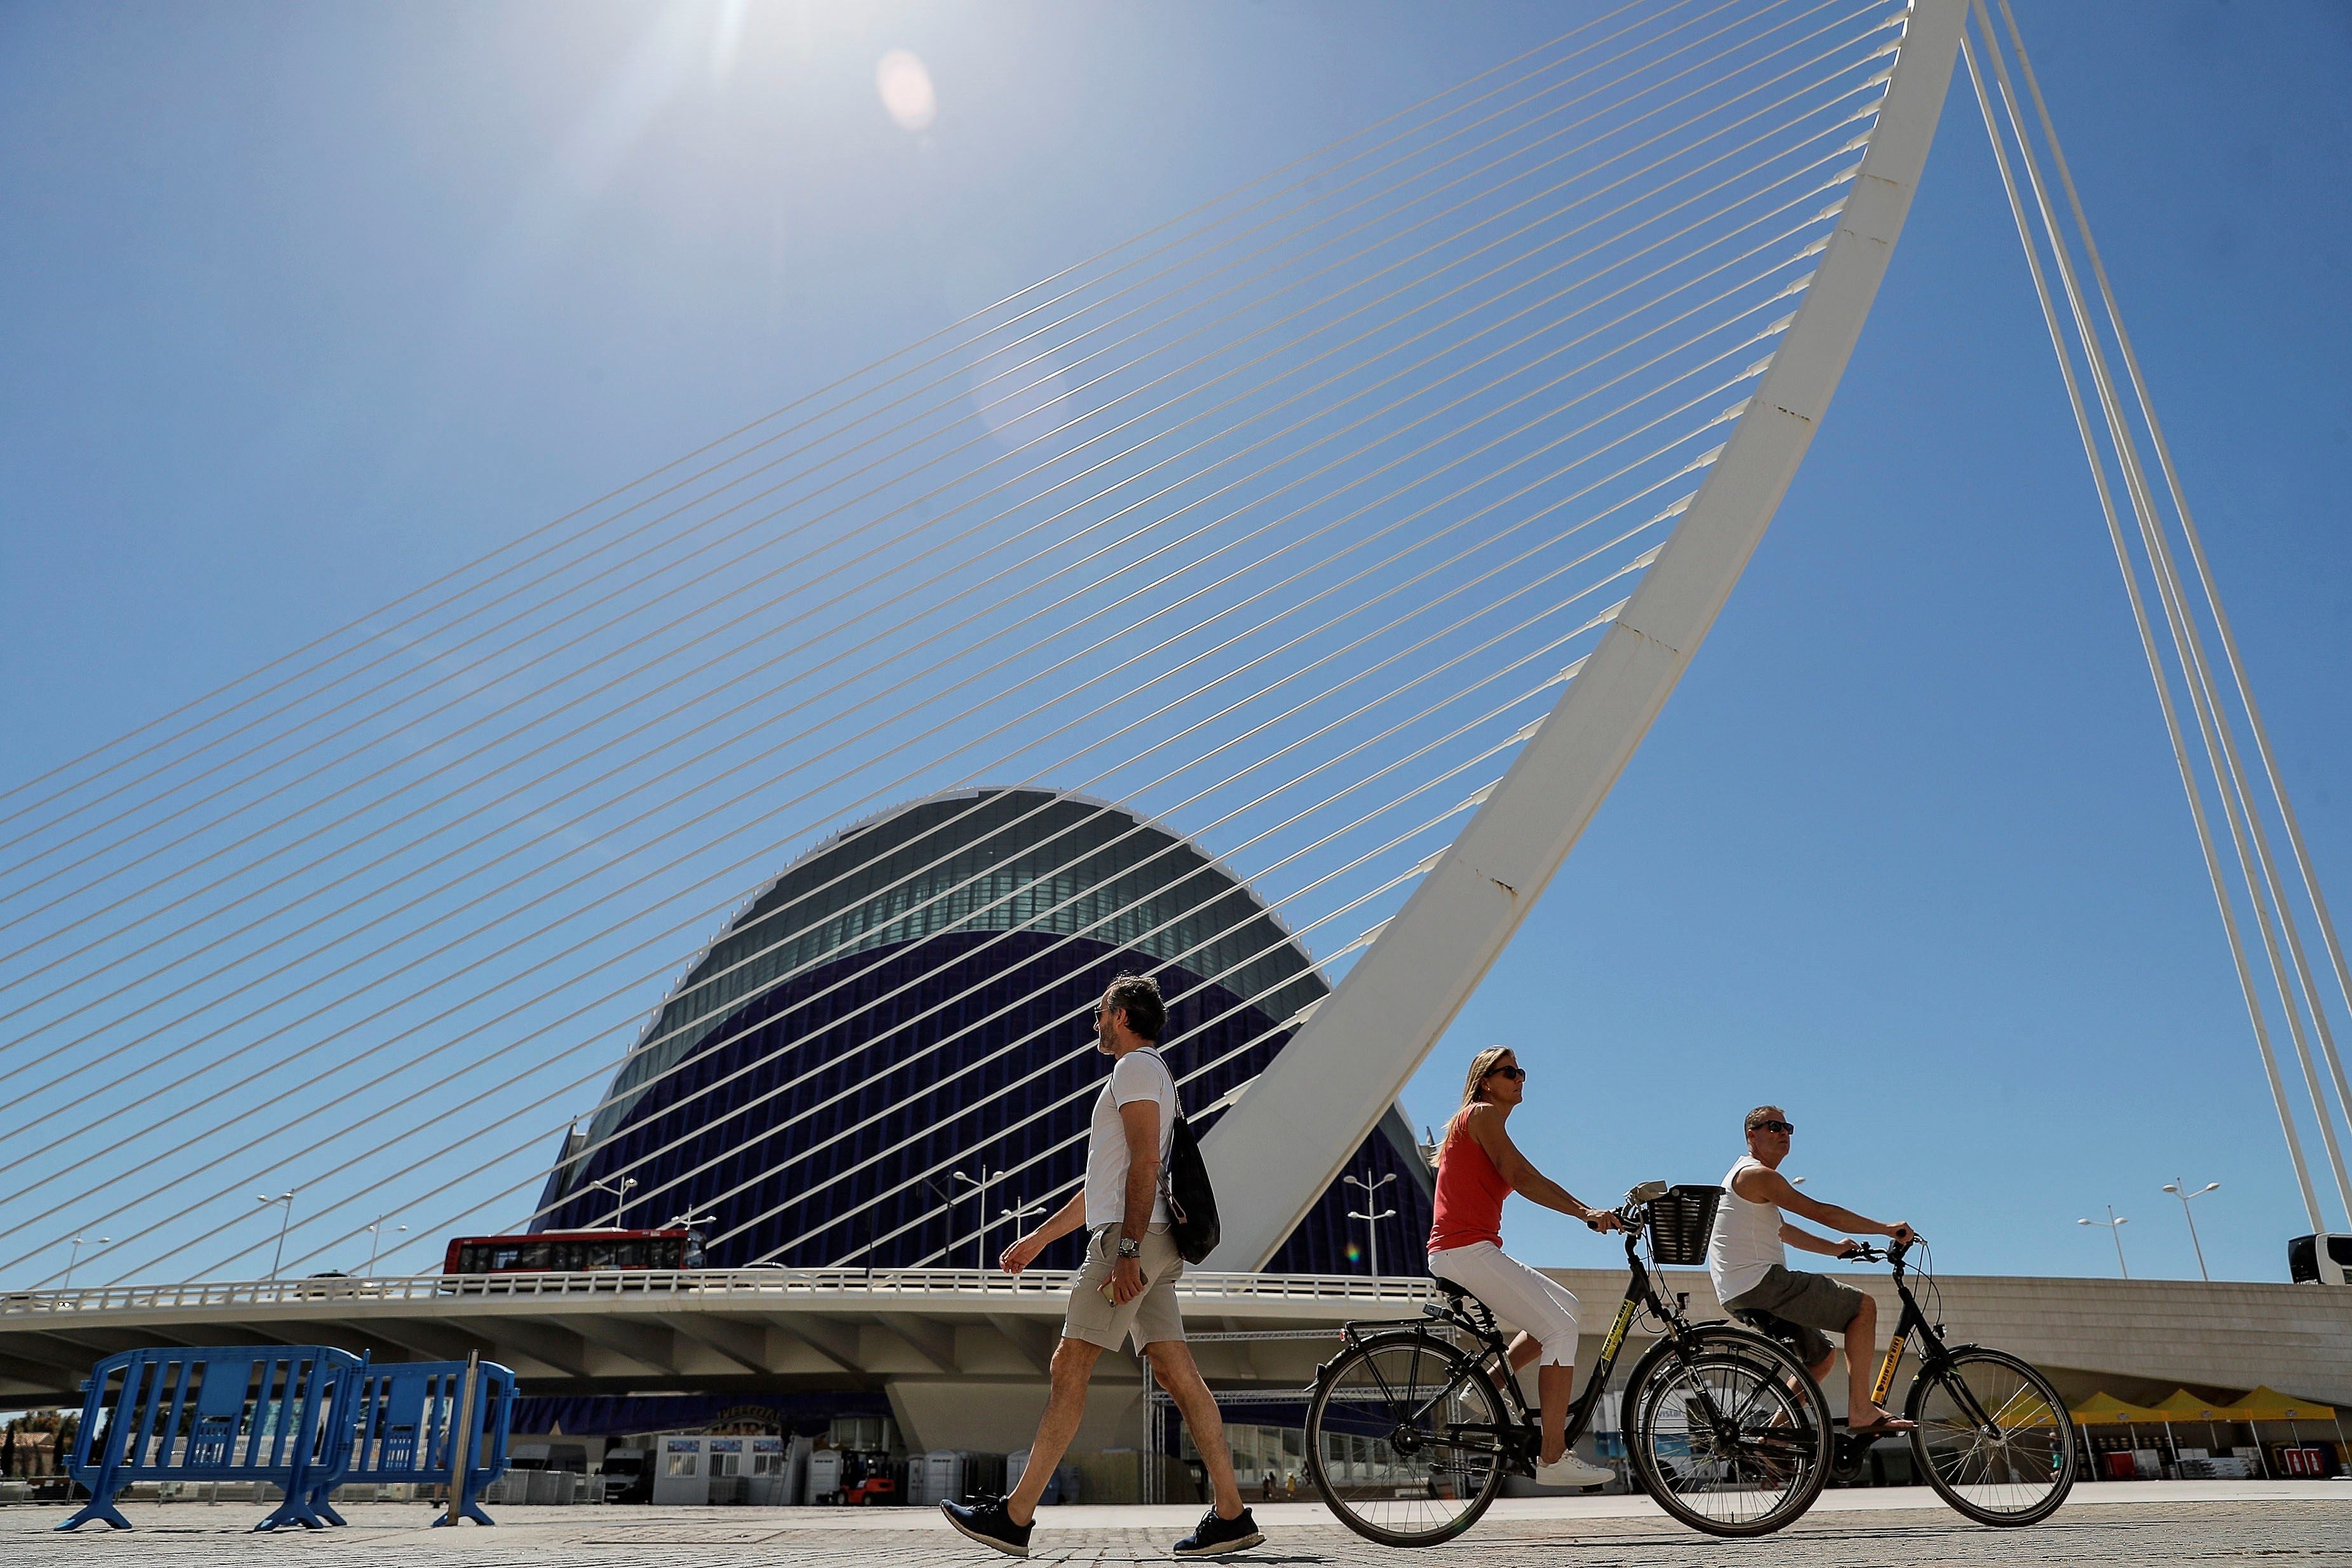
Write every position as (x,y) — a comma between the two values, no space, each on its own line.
(750,1285)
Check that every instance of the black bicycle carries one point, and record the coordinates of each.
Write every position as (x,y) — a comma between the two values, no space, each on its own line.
(1412,1427)
(1992,1434)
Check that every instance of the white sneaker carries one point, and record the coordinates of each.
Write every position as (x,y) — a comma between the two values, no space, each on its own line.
(1571,1471)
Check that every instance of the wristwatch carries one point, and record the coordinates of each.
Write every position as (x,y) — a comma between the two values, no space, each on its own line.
(1128,1246)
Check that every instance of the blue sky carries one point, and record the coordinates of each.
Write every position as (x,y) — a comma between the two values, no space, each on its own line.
(311,305)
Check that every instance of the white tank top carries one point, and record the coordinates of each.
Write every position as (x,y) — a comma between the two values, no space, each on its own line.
(1747,1240)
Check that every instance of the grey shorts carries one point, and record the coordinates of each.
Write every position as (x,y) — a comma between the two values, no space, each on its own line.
(1815,1305)
(1151,1317)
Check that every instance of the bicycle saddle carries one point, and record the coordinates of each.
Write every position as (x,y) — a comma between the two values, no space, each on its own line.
(1451,1289)
(1764,1323)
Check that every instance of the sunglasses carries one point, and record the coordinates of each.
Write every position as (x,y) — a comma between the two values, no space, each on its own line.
(1773,1127)
(1514,1074)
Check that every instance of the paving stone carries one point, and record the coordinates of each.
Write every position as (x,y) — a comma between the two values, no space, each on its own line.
(2284,1534)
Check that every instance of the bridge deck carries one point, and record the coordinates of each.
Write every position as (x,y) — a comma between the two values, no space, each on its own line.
(816,1328)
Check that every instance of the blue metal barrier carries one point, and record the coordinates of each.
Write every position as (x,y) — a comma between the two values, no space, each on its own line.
(400,1424)
(234,1414)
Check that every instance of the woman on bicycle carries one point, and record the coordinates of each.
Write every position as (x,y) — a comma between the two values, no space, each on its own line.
(1477,1167)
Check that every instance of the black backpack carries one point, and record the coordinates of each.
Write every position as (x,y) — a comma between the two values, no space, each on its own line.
(1191,1199)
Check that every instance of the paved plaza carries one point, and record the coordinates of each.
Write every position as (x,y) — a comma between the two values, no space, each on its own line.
(2279,1523)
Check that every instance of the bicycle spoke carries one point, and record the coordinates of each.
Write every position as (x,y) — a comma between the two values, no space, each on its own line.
(1993,1438)
(1407,1440)
(1733,1446)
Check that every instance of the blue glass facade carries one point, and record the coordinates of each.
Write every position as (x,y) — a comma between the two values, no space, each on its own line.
(912,999)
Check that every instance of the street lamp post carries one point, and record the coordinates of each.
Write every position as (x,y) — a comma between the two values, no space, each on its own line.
(1371,1216)
(980,1190)
(620,1194)
(2115,1227)
(375,1236)
(75,1256)
(285,1198)
(2180,1189)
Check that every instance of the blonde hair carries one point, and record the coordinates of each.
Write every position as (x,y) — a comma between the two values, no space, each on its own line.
(1482,1067)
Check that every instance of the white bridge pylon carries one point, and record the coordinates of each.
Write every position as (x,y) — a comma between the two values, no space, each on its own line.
(1283,1143)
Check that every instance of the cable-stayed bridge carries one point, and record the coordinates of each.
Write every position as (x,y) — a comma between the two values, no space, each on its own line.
(750,844)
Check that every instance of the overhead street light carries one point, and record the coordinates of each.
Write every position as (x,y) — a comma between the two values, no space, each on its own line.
(2180,1189)
(620,1194)
(375,1235)
(2116,1229)
(287,1200)
(1371,1217)
(980,1190)
(72,1257)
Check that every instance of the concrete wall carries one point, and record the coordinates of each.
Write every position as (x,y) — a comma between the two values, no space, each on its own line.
(963,1361)
(999,1416)
(2136,1339)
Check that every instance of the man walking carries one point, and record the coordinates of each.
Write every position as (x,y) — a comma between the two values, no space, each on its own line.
(1127,1288)
(1745,1261)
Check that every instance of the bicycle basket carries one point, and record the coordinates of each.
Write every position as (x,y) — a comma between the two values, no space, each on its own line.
(1680,1223)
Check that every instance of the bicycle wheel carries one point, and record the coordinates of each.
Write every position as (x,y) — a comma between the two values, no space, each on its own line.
(1726,1432)
(1993,1436)
(1405,1440)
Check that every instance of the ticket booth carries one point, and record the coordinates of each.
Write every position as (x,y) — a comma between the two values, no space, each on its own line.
(682,1473)
(727,1471)
(763,1472)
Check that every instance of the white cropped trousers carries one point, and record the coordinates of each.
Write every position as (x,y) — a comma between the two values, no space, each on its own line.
(1519,1296)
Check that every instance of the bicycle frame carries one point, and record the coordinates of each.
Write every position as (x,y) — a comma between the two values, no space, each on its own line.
(1519,1441)
(1690,1377)
(1933,1352)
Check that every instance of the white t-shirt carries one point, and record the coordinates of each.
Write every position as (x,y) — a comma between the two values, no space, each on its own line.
(1137,1075)
(1747,1240)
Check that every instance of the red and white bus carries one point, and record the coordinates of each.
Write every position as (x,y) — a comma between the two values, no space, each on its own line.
(573,1253)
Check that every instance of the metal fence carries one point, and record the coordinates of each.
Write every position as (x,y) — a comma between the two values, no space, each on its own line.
(745,1284)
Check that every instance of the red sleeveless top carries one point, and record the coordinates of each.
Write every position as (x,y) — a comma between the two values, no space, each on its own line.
(1470,1193)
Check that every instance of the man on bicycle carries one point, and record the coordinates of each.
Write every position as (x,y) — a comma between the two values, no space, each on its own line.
(1747,1261)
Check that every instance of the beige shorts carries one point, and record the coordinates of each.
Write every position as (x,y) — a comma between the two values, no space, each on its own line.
(1151,1317)
(1814,1306)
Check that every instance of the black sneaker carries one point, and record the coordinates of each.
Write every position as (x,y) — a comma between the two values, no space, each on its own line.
(988,1522)
(1214,1537)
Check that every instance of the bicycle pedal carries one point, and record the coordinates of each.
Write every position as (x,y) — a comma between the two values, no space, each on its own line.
(1849,1456)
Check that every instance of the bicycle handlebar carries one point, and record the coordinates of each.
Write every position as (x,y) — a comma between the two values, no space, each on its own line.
(1866,1252)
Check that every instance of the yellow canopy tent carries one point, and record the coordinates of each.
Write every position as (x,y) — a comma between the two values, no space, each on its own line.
(2106,1410)
(2270,1405)
(2299,1415)
(2183,1406)
(2263,1404)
